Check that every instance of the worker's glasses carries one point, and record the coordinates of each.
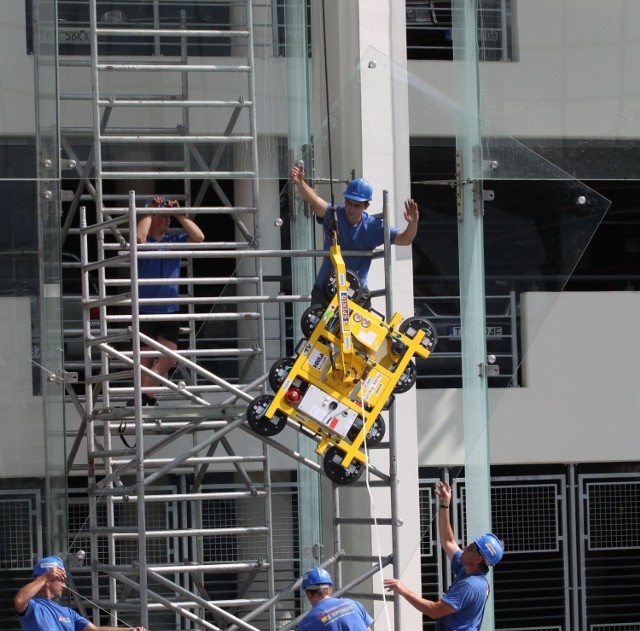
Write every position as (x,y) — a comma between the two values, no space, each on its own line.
(354,204)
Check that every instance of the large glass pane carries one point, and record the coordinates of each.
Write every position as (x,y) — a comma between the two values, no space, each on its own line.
(302,238)
(569,89)
(537,220)
(51,347)
(32,458)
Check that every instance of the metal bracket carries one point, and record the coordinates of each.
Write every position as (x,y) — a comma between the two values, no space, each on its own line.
(314,551)
(459,184)
(490,369)
(65,377)
(70,377)
(479,194)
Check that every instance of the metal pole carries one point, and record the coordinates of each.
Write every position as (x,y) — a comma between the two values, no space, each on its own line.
(575,610)
(393,430)
(515,356)
(137,384)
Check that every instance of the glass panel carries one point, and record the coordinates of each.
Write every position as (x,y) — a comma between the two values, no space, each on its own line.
(537,221)
(51,346)
(570,88)
(302,273)
(471,272)
(32,459)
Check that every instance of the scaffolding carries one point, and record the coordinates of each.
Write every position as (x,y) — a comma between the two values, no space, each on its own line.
(188,524)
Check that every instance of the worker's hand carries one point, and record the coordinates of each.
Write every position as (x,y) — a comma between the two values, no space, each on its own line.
(56,574)
(173,203)
(395,585)
(297,174)
(411,213)
(443,491)
(159,201)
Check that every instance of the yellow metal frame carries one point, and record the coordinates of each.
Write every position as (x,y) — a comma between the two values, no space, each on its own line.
(350,357)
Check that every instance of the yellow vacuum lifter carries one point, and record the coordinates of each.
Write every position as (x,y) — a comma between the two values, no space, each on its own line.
(346,371)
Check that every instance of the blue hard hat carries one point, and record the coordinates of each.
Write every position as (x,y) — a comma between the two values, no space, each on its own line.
(490,547)
(315,578)
(359,190)
(44,565)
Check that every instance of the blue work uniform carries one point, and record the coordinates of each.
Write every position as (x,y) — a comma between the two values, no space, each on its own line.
(367,235)
(467,595)
(336,614)
(43,613)
(161,268)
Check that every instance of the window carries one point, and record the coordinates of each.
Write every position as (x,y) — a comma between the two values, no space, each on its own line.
(429,30)
(74,27)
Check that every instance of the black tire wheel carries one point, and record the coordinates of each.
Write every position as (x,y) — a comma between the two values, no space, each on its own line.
(411,326)
(310,319)
(261,425)
(354,286)
(376,431)
(279,372)
(407,379)
(332,465)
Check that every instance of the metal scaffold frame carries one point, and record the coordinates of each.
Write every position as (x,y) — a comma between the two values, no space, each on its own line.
(154,507)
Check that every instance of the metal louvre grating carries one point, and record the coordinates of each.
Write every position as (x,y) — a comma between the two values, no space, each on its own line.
(241,513)
(613,515)
(531,584)
(284,528)
(427,538)
(19,528)
(633,626)
(224,548)
(610,545)
(432,563)
(526,516)
(156,518)
(125,515)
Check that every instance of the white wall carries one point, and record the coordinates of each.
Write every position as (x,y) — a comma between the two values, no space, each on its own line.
(574,76)
(17,107)
(580,400)
(22,424)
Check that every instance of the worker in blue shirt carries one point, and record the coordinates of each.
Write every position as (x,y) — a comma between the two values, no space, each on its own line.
(154,228)
(328,613)
(36,604)
(357,230)
(462,607)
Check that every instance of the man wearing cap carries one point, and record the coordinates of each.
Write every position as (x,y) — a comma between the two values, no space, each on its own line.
(328,613)
(462,607)
(36,607)
(357,230)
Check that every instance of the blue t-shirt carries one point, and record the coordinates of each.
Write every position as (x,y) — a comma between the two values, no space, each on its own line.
(467,595)
(367,235)
(336,614)
(43,613)
(161,268)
